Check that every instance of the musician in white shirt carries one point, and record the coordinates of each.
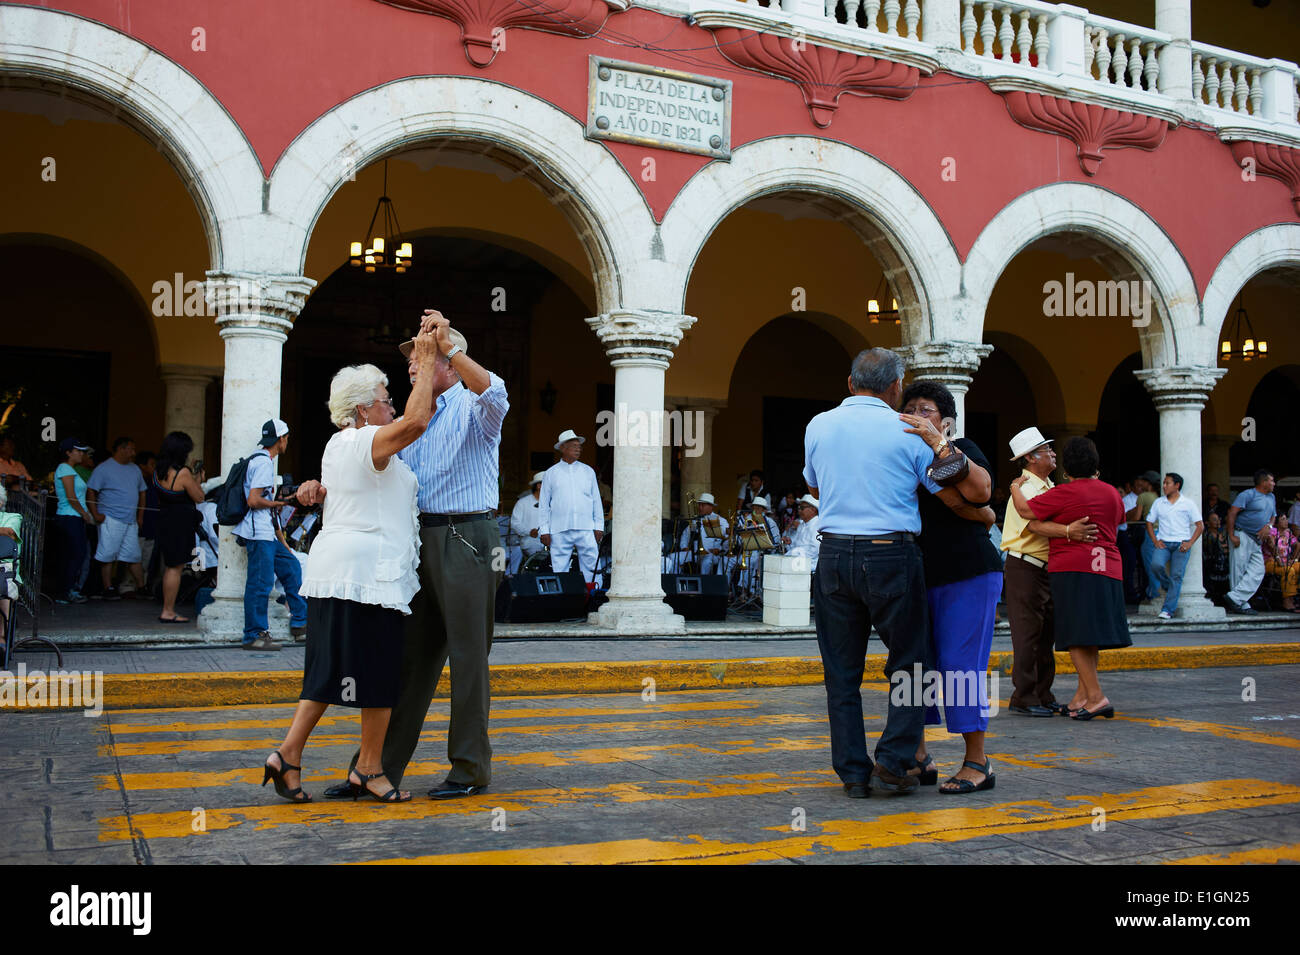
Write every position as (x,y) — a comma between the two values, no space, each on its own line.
(569,510)
(801,541)
(689,549)
(523,525)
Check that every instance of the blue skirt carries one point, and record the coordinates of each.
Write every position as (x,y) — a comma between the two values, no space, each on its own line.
(962,615)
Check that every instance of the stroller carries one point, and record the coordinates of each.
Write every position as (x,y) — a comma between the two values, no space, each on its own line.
(9,621)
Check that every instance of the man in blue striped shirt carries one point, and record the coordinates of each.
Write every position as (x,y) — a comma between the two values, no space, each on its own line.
(456,464)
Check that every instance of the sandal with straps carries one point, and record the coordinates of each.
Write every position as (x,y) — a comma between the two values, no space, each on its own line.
(361,789)
(281,787)
(965,786)
(928,776)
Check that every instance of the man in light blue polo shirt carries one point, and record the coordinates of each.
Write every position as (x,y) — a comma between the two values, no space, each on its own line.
(1251,510)
(865,465)
(115,496)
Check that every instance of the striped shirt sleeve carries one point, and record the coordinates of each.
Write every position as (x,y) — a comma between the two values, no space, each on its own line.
(491,406)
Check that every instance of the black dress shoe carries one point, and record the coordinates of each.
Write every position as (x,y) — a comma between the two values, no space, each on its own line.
(341,790)
(1031,710)
(450,790)
(1057,707)
(857,790)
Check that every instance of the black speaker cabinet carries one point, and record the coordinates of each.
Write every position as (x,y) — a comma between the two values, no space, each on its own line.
(541,598)
(696,596)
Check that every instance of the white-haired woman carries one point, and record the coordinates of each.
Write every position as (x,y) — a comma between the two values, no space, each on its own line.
(361,574)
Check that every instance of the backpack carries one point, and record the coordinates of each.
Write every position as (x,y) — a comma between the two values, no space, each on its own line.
(232,502)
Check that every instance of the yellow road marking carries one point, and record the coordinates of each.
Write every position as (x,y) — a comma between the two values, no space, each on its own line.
(936,826)
(161,825)
(171,747)
(353,717)
(1265,856)
(1223,730)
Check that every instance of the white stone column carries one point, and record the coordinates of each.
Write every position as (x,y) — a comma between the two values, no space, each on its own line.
(1175,18)
(951,364)
(185,406)
(697,461)
(1179,395)
(640,345)
(255,313)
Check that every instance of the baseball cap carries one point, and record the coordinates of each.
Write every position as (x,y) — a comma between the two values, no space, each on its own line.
(273,431)
(70,444)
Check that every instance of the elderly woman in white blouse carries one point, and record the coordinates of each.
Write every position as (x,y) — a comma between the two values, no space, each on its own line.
(361,573)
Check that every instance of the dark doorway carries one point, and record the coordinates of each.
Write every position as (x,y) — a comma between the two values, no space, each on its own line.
(1128,425)
(784,423)
(1276,446)
(31,404)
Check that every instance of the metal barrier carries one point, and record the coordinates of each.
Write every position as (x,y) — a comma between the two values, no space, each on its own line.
(30,506)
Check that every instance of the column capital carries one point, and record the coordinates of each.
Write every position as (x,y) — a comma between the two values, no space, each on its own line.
(950,363)
(256,302)
(1187,387)
(634,336)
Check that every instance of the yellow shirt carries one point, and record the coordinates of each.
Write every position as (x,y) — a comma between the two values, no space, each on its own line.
(1015,535)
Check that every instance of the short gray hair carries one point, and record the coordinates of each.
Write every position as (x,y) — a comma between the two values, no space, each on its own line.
(352,386)
(876,369)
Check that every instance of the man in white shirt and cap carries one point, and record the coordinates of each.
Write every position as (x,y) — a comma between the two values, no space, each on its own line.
(695,536)
(523,524)
(569,510)
(802,540)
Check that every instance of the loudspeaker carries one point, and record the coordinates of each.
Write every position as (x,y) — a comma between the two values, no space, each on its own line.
(541,598)
(696,596)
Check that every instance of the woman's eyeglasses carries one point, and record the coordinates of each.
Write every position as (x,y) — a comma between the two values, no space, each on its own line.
(385,401)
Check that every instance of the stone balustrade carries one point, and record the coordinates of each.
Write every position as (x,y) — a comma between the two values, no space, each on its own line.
(1061,49)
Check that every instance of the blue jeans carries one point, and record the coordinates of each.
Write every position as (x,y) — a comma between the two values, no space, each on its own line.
(1167,566)
(1148,555)
(268,560)
(859,584)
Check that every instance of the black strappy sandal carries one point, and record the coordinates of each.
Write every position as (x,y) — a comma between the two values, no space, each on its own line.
(929,776)
(965,786)
(281,787)
(361,789)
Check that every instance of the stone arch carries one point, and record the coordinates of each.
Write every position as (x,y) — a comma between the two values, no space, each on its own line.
(523,131)
(1267,248)
(152,94)
(894,220)
(1143,251)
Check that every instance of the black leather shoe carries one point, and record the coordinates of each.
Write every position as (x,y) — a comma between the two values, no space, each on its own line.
(450,790)
(341,790)
(1056,707)
(1031,710)
(857,790)
(882,778)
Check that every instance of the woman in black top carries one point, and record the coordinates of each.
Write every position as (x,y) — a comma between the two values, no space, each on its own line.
(963,581)
(178,492)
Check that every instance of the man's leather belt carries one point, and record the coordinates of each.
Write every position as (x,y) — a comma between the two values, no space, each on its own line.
(892,538)
(442,520)
(1027,559)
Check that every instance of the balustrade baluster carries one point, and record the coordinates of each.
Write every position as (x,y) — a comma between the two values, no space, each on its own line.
(1042,42)
(968,26)
(1151,71)
(1024,39)
(1243,90)
(1198,77)
(1006,33)
(911,17)
(1135,63)
(1103,56)
(1119,61)
(1256,92)
(1212,81)
(891,17)
(871,10)
(986,31)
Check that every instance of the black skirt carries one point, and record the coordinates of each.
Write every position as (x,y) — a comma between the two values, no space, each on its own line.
(1088,611)
(354,653)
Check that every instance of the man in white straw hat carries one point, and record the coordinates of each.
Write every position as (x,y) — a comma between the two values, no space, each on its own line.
(711,562)
(802,540)
(569,510)
(1027,590)
(523,524)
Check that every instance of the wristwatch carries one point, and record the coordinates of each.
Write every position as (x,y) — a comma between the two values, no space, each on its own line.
(455,350)
(943,446)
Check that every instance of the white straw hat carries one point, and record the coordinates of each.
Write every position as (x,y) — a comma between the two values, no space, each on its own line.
(760,501)
(705,499)
(1027,441)
(568,435)
(809,499)
(537,478)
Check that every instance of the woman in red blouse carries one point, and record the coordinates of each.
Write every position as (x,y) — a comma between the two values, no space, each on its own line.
(1087,578)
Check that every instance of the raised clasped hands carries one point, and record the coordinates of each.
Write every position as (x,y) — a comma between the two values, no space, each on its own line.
(439,327)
